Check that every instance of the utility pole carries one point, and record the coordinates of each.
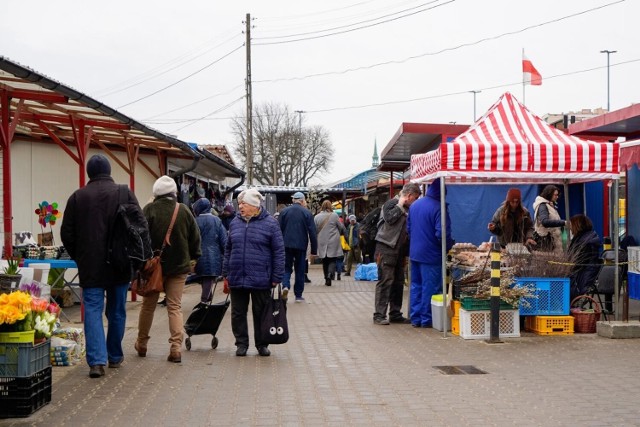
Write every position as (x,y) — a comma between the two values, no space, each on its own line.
(249,137)
(300,177)
(474,92)
(608,52)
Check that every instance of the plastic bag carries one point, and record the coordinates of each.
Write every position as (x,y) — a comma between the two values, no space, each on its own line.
(65,352)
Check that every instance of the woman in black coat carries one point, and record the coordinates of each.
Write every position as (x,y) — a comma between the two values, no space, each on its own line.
(584,252)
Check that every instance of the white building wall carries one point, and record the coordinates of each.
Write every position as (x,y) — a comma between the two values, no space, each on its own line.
(42,171)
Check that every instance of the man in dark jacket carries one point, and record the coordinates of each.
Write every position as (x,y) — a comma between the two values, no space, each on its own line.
(391,250)
(296,223)
(424,226)
(85,232)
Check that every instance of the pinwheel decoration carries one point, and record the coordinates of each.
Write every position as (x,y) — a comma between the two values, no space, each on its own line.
(47,213)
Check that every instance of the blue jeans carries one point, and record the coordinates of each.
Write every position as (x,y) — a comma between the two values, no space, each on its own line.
(99,349)
(426,281)
(294,260)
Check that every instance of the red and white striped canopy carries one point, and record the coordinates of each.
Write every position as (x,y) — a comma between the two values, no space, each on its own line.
(509,144)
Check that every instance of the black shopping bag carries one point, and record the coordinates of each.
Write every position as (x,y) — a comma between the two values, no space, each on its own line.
(274,327)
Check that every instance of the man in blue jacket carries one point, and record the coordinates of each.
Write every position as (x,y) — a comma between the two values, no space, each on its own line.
(298,228)
(425,251)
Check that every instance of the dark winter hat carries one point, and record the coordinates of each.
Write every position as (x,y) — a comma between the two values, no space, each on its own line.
(514,194)
(201,206)
(98,165)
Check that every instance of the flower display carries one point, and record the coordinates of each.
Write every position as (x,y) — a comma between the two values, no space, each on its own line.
(15,309)
(22,311)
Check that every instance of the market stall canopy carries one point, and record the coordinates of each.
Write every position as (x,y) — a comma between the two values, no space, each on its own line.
(41,108)
(509,144)
(414,138)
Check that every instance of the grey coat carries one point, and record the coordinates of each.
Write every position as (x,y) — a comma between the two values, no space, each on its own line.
(329,237)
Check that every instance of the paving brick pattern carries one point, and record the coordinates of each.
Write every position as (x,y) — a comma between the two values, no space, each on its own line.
(339,369)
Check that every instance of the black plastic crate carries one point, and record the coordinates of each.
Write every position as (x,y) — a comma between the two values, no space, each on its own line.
(21,397)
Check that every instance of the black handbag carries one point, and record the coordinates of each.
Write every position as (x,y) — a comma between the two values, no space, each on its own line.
(274,327)
(543,243)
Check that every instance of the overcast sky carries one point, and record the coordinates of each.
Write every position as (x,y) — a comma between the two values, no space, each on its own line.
(358,68)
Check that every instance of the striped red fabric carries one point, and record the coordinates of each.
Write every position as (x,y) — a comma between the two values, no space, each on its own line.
(511,143)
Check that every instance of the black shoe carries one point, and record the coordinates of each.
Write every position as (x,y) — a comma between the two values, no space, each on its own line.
(116,364)
(333,276)
(264,351)
(96,371)
(338,276)
(347,274)
(163,302)
(241,351)
(306,279)
(327,282)
(400,319)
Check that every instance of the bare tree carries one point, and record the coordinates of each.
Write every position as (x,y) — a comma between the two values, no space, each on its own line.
(284,152)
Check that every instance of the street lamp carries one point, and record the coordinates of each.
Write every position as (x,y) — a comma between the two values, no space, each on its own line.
(608,52)
(300,113)
(474,92)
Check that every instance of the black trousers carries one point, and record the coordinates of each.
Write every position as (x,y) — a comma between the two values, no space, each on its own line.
(239,310)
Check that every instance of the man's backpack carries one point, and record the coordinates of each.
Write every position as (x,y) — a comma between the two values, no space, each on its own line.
(129,243)
(370,223)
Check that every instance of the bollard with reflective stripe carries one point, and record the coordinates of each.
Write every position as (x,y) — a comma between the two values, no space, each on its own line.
(494,336)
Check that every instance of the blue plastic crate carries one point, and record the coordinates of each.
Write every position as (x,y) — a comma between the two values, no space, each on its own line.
(633,282)
(24,359)
(552,296)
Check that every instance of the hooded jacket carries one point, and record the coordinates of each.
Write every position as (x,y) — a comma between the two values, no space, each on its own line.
(424,226)
(254,254)
(213,236)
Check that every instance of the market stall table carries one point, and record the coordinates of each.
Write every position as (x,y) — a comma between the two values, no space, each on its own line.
(64,265)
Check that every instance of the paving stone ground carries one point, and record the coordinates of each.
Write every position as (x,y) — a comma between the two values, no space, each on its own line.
(339,369)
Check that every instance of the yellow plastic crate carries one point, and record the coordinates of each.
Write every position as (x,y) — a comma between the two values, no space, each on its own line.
(456,309)
(17,337)
(455,324)
(549,325)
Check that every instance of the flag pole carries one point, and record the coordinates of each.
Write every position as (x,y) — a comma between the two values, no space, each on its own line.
(524,102)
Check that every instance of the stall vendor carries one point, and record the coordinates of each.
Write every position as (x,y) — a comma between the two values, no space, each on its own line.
(511,222)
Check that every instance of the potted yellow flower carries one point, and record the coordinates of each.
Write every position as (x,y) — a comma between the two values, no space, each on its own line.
(16,317)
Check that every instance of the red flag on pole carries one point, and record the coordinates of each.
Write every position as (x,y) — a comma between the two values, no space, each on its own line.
(531,75)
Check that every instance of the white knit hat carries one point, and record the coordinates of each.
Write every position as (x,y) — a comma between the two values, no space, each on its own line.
(251,197)
(164,186)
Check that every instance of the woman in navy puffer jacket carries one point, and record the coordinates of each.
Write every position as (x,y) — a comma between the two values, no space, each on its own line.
(213,237)
(253,264)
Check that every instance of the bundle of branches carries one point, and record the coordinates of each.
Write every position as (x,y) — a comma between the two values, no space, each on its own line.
(508,293)
(475,276)
(542,264)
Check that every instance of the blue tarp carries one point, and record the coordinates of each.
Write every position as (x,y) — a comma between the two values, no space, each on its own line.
(366,272)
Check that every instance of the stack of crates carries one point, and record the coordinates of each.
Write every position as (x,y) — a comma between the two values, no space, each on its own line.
(25,374)
(475,320)
(548,311)
(633,273)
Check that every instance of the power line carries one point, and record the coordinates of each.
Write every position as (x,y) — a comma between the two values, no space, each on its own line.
(359,28)
(167,70)
(348,25)
(410,58)
(167,63)
(355,107)
(182,79)
(193,122)
(428,97)
(194,103)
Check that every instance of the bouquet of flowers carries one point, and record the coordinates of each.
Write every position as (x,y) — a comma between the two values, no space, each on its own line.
(24,310)
(15,312)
